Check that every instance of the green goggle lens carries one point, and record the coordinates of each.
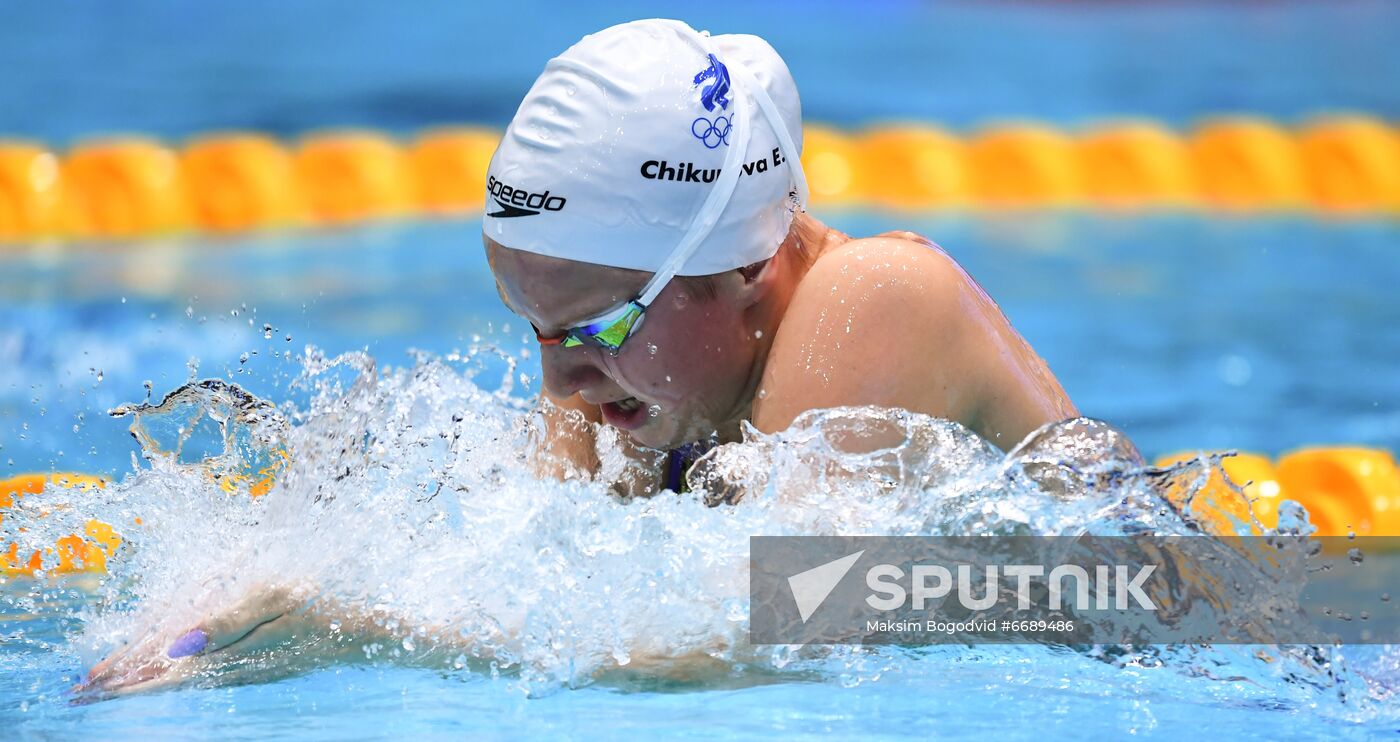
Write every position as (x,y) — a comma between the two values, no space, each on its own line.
(608,332)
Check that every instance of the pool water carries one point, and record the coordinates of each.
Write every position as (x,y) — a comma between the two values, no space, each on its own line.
(172,72)
(1262,333)
(1186,332)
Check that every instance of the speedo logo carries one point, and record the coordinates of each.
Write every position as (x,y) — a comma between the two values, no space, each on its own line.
(520,202)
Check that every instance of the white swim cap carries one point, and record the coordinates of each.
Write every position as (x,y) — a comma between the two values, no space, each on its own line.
(655,147)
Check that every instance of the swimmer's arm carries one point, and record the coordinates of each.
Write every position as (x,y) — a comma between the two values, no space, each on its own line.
(568,448)
(567,445)
(895,323)
(277,631)
(1016,393)
(272,631)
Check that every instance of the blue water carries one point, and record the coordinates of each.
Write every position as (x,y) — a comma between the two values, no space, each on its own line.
(1188,332)
(1257,333)
(72,70)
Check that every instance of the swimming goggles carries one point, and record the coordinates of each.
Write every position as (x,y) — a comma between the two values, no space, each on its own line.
(608,331)
(612,328)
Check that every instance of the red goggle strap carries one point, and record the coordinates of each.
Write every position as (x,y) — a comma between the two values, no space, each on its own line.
(557,339)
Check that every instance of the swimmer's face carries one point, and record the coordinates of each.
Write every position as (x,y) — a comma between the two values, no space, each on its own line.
(691,362)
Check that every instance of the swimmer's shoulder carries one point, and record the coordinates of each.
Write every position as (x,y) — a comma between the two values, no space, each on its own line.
(876,320)
(901,266)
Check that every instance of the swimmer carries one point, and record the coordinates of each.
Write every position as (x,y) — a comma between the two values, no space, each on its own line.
(646,213)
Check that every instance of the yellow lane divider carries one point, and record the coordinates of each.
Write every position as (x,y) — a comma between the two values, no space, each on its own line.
(230,182)
(71,554)
(1345,489)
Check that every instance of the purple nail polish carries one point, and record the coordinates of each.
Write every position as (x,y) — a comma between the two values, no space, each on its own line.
(191,643)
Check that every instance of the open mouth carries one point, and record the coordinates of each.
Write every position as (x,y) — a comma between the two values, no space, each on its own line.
(628,414)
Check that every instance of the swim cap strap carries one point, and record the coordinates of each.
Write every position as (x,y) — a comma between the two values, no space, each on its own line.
(709,213)
(705,219)
(775,119)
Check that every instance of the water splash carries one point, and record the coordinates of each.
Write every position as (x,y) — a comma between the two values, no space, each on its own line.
(408,495)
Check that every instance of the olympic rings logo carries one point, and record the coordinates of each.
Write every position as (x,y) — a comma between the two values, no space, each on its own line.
(711,133)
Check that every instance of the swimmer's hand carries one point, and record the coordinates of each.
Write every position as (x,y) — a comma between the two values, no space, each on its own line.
(263,634)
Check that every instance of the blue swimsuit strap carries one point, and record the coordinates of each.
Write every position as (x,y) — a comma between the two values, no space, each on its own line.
(678,462)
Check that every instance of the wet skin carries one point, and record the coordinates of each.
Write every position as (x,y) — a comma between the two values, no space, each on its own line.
(891,321)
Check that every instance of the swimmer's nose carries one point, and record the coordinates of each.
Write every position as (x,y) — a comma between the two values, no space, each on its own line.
(567,371)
